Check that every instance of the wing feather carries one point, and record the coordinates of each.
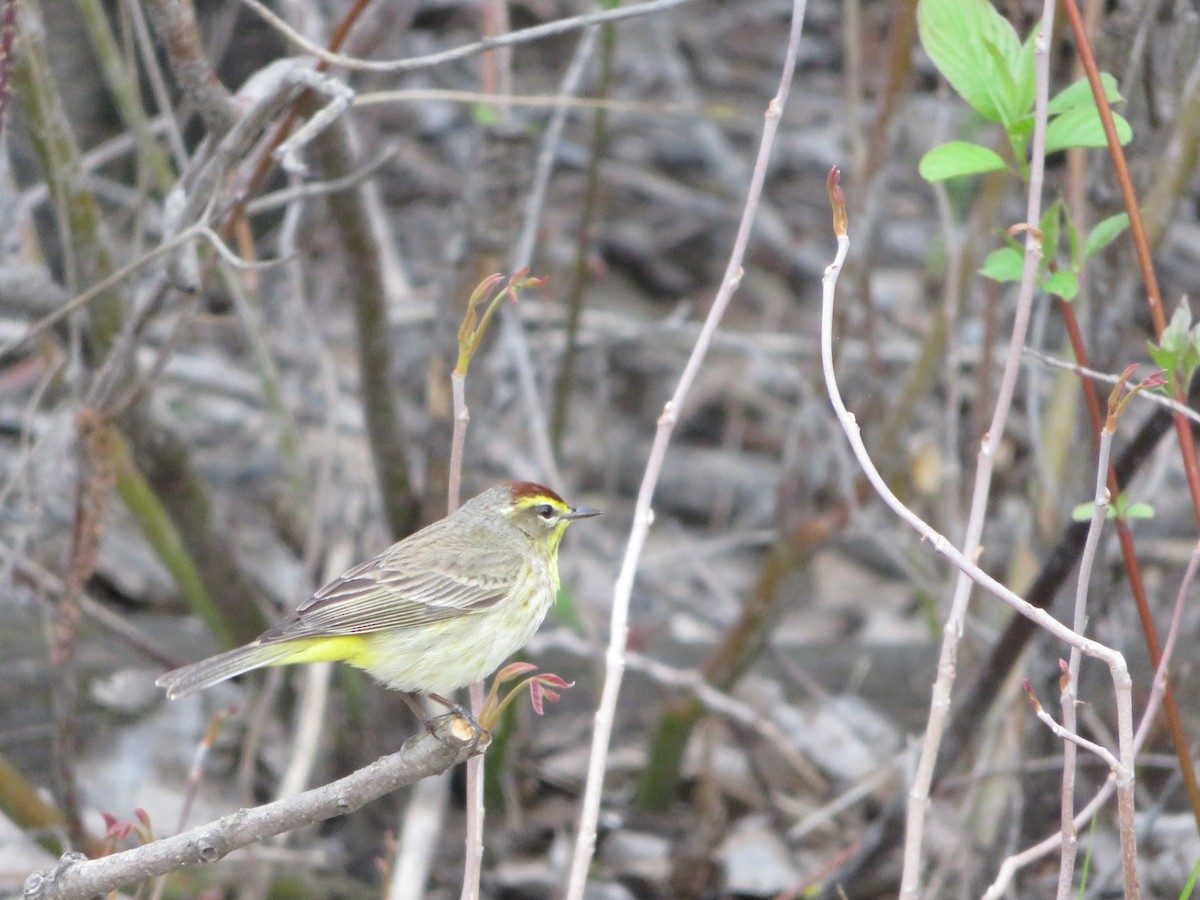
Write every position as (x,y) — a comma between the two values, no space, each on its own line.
(391,592)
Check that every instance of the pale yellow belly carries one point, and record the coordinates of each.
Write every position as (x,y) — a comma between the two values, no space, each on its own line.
(442,657)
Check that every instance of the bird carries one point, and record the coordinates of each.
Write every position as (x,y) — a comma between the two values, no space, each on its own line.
(439,609)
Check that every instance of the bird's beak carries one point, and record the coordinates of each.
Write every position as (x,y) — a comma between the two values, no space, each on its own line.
(581,512)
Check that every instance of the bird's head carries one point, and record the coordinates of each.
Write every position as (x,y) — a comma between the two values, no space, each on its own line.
(538,511)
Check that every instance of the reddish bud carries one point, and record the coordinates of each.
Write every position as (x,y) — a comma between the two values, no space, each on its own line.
(1155,380)
(837,200)
(514,670)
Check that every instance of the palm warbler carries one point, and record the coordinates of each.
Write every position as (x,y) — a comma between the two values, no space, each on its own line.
(440,609)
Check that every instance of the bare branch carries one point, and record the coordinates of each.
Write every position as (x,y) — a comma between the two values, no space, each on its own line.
(585,839)
(426,754)
(525,35)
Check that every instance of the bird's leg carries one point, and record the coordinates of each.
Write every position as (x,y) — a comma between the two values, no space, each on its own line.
(460,711)
(454,708)
(419,711)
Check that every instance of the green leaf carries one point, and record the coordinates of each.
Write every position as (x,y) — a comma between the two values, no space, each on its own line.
(1164,359)
(1104,233)
(1175,337)
(1072,242)
(485,114)
(1025,74)
(1080,127)
(958,158)
(1080,94)
(1138,511)
(972,45)
(1062,284)
(1003,90)
(1178,349)
(1049,226)
(1083,512)
(1019,134)
(1004,264)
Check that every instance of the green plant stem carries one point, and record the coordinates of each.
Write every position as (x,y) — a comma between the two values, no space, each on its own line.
(126,92)
(580,279)
(141,500)
(23,805)
(171,486)
(88,259)
(157,452)
(659,784)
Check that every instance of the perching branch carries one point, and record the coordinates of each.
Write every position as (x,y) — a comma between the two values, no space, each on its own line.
(453,741)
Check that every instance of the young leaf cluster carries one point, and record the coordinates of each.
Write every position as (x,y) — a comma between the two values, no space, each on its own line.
(1121,508)
(988,65)
(980,55)
(1177,352)
(1057,275)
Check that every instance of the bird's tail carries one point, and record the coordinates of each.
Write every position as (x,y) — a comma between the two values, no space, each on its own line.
(207,672)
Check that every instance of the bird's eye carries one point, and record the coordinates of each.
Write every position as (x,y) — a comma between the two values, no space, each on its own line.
(545,511)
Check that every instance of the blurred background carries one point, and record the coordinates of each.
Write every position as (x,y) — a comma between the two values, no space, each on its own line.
(195,446)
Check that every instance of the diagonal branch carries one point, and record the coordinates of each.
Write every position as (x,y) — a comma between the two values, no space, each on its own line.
(426,754)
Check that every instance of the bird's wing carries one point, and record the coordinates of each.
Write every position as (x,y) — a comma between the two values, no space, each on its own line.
(389,592)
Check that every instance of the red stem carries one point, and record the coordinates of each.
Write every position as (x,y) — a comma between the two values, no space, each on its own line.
(1182,429)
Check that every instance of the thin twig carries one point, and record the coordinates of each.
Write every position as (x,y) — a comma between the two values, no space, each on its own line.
(564,383)
(1070,690)
(716,701)
(95,477)
(1072,739)
(310,189)
(1016,862)
(522,258)
(1118,669)
(525,35)
(532,101)
(473,838)
(1141,243)
(585,838)
(95,159)
(426,754)
(99,288)
(1108,378)
(175,24)
(8,30)
(952,630)
(158,85)
(29,571)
